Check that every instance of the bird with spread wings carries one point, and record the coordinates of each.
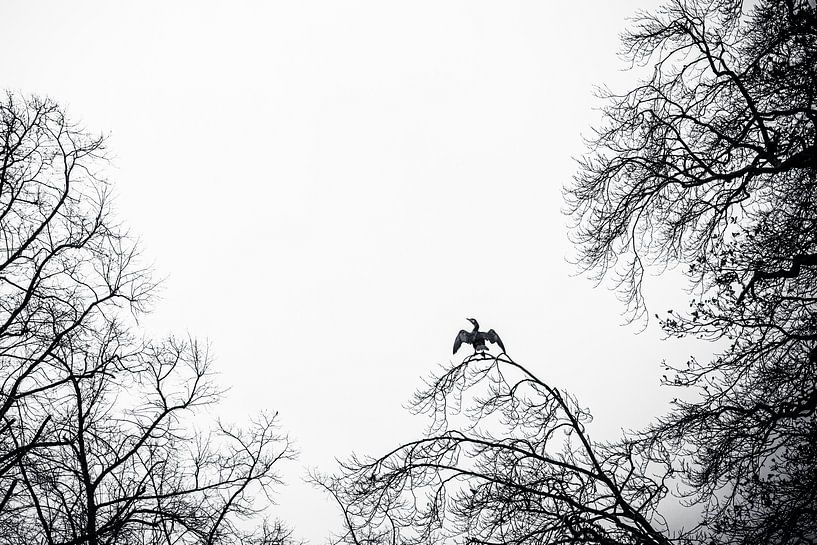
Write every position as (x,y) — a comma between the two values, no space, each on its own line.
(477,338)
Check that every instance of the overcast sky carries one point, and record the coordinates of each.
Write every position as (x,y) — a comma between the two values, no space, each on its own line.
(331,187)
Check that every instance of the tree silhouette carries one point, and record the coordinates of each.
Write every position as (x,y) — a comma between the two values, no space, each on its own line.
(96,437)
(706,149)
(710,163)
(507,459)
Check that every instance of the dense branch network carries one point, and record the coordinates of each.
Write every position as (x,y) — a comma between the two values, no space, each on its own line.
(711,163)
(507,460)
(96,442)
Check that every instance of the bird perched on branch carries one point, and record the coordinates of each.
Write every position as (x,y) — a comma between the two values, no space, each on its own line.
(477,338)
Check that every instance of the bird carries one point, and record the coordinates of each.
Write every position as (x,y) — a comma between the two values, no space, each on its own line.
(477,338)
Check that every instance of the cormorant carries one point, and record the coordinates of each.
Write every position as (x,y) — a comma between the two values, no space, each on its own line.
(477,338)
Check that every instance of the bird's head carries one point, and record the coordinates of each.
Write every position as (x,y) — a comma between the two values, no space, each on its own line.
(473,323)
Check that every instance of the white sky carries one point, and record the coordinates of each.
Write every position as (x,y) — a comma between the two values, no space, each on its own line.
(331,187)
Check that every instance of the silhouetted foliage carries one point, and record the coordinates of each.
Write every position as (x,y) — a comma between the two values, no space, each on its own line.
(97,443)
(710,164)
(507,459)
(718,144)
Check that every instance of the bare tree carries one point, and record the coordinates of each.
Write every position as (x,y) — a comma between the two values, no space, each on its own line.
(97,443)
(718,137)
(711,163)
(507,460)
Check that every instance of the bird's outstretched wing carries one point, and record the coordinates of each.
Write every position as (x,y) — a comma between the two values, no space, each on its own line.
(462,337)
(494,338)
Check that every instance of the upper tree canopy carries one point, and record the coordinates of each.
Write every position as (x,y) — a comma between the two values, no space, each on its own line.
(711,163)
(721,134)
